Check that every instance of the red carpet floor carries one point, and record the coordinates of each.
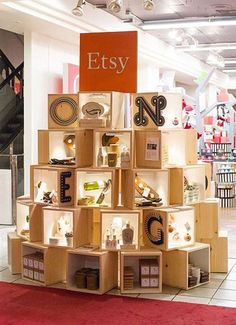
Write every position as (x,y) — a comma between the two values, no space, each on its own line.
(29,305)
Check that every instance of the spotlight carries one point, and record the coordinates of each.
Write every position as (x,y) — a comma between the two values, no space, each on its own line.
(78,10)
(148,4)
(115,6)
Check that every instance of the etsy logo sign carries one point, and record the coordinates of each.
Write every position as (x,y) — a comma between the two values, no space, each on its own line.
(108,61)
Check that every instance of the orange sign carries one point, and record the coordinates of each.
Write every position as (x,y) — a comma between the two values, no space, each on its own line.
(108,62)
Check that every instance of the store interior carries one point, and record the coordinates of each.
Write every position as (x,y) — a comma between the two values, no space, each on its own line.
(111,204)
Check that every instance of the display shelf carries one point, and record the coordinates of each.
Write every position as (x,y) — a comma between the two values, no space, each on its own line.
(154,185)
(29,220)
(66,227)
(97,188)
(160,149)
(52,185)
(41,264)
(157,110)
(105,262)
(177,265)
(113,148)
(218,252)
(187,184)
(169,229)
(65,147)
(207,219)
(62,111)
(101,110)
(141,272)
(14,252)
(120,230)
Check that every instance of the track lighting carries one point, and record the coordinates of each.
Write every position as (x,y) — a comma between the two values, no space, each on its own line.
(78,10)
(148,4)
(115,6)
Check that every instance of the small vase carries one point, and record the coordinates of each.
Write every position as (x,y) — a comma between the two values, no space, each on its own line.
(69,241)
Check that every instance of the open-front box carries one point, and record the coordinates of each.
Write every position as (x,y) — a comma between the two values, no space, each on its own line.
(113,149)
(29,220)
(92,272)
(120,230)
(52,185)
(101,110)
(37,263)
(160,149)
(169,228)
(65,147)
(65,227)
(187,184)
(97,188)
(141,272)
(187,268)
(145,188)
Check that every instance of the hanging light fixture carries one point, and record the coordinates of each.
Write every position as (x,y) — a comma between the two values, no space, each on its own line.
(78,10)
(115,6)
(148,4)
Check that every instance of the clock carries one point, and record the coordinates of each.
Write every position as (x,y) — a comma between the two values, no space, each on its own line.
(62,111)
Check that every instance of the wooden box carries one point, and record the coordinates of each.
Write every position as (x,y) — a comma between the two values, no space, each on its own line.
(187,184)
(176,265)
(150,181)
(113,143)
(14,252)
(207,219)
(59,223)
(160,149)
(101,110)
(168,229)
(105,262)
(157,110)
(97,188)
(59,182)
(62,111)
(75,147)
(218,252)
(29,224)
(141,277)
(44,265)
(120,230)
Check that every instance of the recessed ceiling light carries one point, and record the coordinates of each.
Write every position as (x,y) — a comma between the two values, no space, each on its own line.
(148,4)
(78,10)
(115,6)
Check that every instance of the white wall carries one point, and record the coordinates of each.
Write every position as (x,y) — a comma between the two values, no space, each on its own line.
(44,58)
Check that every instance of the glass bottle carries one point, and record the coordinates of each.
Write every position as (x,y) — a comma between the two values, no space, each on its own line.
(100,158)
(127,234)
(95,185)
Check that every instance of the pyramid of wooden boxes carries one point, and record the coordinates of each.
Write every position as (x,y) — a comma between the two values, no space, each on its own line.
(113,206)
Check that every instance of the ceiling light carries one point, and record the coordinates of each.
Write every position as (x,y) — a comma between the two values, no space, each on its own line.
(209,47)
(230,61)
(189,23)
(229,70)
(115,6)
(215,60)
(148,4)
(78,10)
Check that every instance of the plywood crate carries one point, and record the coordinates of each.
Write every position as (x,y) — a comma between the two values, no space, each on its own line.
(29,225)
(57,222)
(154,181)
(14,252)
(41,264)
(110,142)
(169,228)
(176,265)
(145,268)
(160,149)
(207,219)
(75,146)
(105,262)
(102,110)
(55,180)
(218,252)
(194,176)
(113,223)
(157,110)
(62,111)
(105,181)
